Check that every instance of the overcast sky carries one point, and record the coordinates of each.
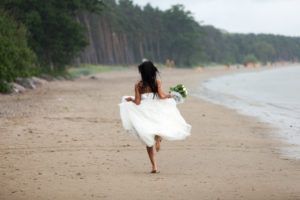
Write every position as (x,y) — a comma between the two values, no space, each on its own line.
(242,16)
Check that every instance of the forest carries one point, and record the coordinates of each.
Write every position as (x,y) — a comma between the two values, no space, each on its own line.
(125,33)
(49,36)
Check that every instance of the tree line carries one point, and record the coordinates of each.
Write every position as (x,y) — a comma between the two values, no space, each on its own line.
(125,33)
(47,36)
(224,47)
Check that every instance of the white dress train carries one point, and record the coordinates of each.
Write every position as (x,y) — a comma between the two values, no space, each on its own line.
(152,117)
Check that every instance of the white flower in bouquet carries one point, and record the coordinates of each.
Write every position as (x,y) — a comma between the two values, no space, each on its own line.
(179,93)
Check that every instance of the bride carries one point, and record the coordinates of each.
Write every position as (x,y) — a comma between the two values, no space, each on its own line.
(152,115)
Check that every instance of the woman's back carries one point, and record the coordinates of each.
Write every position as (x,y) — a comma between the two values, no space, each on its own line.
(144,88)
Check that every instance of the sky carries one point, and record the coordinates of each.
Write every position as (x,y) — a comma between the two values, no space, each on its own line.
(241,16)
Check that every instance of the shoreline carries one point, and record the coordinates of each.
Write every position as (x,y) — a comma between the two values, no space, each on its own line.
(242,106)
(66,141)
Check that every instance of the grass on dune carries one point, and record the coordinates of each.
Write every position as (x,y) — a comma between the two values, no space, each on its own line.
(88,69)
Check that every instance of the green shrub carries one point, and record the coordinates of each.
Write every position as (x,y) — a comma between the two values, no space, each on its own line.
(4,87)
(16,59)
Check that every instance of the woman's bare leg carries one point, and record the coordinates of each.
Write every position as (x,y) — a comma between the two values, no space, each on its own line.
(157,142)
(150,151)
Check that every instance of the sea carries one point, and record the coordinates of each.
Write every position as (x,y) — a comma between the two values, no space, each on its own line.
(272,95)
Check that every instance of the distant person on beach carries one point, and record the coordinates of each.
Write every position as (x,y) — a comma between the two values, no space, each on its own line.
(152,115)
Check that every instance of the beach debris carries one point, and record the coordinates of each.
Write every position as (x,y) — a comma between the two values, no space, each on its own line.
(227,66)
(60,78)
(21,84)
(46,77)
(17,88)
(198,69)
(25,82)
(38,81)
(170,64)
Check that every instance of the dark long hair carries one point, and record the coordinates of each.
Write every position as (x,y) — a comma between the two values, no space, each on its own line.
(148,73)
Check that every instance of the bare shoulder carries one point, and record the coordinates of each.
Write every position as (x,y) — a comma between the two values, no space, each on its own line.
(138,85)
(158,82)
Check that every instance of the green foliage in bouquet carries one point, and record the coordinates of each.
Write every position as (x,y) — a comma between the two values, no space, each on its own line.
(180,89)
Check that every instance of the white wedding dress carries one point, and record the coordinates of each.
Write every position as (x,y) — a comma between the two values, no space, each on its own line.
(152,117)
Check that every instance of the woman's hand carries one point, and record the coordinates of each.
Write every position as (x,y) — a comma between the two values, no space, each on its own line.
(128,99)
(169,96)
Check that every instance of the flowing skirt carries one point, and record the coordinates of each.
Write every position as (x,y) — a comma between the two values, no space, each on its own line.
(152,117)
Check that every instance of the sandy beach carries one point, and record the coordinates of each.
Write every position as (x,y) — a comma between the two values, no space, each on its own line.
(65,141)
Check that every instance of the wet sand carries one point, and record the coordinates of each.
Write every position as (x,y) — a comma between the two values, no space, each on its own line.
(65,141)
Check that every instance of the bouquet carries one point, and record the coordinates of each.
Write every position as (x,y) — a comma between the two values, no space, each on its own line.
(179,93)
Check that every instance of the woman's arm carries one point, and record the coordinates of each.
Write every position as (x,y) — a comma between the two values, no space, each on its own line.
(137,99)
(161,94)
